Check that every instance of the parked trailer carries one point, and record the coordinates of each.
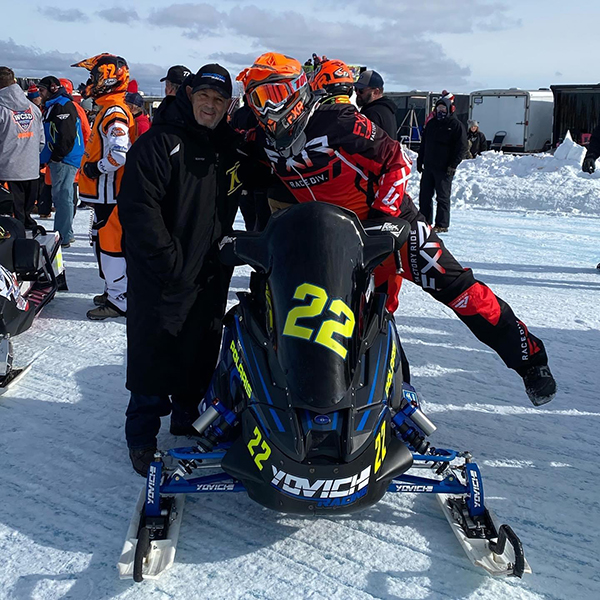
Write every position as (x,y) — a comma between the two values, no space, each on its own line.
(576,109)
(516,120)
(422,103)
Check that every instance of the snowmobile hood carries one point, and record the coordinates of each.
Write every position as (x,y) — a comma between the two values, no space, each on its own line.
(318,259)
(14,98)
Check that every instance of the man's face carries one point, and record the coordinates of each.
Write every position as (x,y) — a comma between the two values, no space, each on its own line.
(44,93)
(441,111)
(209,106)
(133,108)
(170,89)
(364,96)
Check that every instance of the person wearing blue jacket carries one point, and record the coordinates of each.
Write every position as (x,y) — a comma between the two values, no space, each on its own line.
(62,153)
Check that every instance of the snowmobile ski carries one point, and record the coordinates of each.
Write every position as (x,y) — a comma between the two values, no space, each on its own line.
(489,545)
(150,545)
(13,378)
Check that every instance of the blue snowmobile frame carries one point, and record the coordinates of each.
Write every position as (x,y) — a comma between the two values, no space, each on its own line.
(224,483)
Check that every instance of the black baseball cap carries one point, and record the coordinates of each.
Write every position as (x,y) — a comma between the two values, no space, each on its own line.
(176,74)
(47,81)
(213,77)
(369,79)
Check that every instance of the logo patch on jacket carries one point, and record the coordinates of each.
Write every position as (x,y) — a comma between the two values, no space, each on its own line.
(23,118)
(234,179)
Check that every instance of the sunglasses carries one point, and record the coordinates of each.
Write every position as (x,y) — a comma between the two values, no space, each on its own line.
(360,91)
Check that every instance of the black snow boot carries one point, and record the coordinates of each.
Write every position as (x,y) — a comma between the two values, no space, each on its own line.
(539,384)
(141,459)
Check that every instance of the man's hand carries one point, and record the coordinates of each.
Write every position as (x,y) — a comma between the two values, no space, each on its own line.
(451,171)
(91,170)
(589,165)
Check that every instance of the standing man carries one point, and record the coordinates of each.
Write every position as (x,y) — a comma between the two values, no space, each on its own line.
(443,146)
(63,151)
(591,156)
(373,104)
(21,140)
(174,78)
(101,173)
(178,198)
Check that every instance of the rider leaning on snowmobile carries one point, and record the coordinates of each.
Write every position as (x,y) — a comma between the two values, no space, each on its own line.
(325,150)
(179,195)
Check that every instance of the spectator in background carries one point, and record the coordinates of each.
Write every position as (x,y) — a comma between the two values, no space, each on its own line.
(174,78)
(316,60)
(86,131)
(373,104)
(591,156)
(445,94)
(475,139)
(63,151)
(135,103)
(443,146)
(101,173)
(593,152)
(33,95)
(21,140)
(254,203)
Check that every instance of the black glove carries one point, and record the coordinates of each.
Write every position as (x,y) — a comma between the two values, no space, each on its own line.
(589,165)
(451,171)
(419,167)
(91,170)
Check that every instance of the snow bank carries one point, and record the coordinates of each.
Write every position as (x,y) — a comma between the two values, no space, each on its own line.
(538,182)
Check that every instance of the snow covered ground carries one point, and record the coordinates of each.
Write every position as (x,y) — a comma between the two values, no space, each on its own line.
(67,490)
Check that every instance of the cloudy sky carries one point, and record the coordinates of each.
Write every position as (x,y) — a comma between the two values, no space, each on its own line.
(427,45)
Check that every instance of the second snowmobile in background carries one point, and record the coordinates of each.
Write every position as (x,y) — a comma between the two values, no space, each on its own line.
(31,272)
(310,410)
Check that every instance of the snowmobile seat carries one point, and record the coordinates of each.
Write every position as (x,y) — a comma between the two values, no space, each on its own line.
(27,258)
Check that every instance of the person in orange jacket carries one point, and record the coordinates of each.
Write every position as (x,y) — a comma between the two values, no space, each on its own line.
(101,173)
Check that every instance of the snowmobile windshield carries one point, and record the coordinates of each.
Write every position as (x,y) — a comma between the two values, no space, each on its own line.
(318,259)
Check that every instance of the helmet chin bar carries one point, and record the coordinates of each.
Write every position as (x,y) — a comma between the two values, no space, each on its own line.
(294,148)
(297,144)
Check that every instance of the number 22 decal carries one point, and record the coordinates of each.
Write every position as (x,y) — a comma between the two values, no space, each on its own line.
(314,309)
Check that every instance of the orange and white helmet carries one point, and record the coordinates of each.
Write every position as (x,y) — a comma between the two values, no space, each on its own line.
(108,74)
(277,91)
(334,77)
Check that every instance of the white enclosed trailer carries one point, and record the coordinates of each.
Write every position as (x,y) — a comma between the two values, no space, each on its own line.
(523,118)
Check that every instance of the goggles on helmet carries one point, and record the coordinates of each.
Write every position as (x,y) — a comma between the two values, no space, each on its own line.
(273,96)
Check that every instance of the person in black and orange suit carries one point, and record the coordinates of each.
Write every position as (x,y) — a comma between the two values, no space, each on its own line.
(101,173)
(332,153)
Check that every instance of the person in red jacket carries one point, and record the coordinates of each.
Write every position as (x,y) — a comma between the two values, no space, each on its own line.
(332,153)
(135,103)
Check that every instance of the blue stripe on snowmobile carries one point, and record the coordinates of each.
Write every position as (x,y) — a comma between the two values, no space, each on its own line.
(276,419)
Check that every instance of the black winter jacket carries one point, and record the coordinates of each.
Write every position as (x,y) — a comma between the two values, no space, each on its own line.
(443,144)
(594,145)
(383,113)
(477,143)
(178,197)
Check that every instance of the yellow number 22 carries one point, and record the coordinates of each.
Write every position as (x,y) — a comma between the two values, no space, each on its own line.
(314,309)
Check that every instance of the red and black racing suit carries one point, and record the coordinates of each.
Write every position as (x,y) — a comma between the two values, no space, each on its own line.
(350,162)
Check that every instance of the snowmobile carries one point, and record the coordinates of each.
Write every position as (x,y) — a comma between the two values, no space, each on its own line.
(310,409)
(31,272)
